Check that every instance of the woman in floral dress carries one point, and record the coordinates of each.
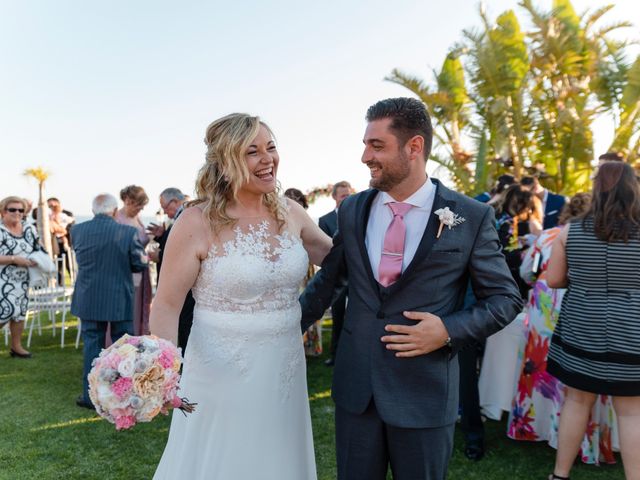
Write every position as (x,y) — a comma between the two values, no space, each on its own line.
(536,406)
(17,241)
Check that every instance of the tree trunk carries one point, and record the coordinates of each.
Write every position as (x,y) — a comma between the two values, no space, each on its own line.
(42,220)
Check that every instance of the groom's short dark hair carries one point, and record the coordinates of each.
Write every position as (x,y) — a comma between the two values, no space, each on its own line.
(409,118)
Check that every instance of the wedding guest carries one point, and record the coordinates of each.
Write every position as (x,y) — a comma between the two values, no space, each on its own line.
(519,219)
(60,224)
(17,241)
(172,202)
(470,357)
(312,337)
(539,397)
(329,225)
(26,218)
(595,348)
(495,196)
(610,157)
(552,203)
(135,199)
(107,253)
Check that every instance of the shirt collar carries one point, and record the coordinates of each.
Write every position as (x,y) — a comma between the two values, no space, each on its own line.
(420,198)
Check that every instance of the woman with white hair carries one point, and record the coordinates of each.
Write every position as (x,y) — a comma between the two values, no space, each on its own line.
(244,251)
(17,241)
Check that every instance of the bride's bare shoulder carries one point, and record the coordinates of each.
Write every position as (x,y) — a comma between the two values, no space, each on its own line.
(295,214)
(193,225)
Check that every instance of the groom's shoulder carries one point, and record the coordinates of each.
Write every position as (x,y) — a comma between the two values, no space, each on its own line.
(469,205)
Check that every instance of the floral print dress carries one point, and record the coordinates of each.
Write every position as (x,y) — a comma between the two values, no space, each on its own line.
(14,280)
(539,397)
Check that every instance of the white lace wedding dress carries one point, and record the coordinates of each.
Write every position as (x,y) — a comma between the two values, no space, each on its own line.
(244,366)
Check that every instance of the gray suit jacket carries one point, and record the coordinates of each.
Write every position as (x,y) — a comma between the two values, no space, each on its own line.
(419,392)
(329,223)
(107,253)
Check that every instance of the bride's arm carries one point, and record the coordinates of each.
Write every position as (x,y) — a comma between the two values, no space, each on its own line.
(315,241)
(185,249)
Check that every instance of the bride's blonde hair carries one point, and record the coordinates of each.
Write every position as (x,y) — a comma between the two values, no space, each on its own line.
(225,170)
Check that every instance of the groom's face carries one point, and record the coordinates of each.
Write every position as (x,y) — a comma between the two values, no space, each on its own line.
(387,161)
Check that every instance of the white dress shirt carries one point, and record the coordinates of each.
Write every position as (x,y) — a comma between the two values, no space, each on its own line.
(415,220)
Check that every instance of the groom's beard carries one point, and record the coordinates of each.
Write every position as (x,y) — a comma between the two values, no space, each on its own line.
(392,173)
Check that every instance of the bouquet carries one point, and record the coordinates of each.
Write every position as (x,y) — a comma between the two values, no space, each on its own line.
(135,379)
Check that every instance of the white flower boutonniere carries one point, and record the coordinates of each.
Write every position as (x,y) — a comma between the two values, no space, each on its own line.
(448,218)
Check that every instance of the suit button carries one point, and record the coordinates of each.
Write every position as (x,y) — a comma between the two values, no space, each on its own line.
(380,315)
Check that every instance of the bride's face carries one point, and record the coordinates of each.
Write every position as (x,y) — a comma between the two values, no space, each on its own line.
(262,162)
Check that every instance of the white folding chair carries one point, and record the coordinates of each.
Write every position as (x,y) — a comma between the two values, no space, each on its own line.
(51,298)
(79,333)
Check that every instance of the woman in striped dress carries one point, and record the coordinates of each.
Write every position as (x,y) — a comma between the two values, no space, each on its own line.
(595,348)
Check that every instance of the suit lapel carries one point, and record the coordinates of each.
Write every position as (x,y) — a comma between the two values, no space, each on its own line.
(363,209)
(429,239)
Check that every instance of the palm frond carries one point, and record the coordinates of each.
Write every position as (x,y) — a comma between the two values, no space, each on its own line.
(39,173)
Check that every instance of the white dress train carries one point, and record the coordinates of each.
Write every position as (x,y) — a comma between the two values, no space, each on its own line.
(245,367)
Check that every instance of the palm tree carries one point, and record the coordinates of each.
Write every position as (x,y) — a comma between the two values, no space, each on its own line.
(627,135)
(530,99)
(447,104)
(41,175)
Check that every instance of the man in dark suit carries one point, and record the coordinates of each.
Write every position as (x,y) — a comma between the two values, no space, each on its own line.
(107,253)
(552,203)
(172,203)
(329,224)
(409,246)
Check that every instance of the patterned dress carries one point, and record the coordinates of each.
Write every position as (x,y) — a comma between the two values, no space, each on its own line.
(539,397)
(14,280)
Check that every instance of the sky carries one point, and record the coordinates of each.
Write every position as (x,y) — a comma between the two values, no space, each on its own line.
(107,94)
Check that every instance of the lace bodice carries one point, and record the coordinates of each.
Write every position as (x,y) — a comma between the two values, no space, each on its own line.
(254,271)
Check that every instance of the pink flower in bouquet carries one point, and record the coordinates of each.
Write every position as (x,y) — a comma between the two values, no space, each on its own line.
(122,386)
(111,361)
(166,358)
(135,341)
(125,421)
(170,386)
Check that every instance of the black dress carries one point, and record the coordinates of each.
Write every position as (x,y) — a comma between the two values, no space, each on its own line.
(596,343)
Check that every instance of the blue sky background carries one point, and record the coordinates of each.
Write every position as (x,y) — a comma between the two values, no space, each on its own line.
(105,94)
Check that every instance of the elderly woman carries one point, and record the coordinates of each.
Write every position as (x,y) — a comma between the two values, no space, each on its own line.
(17,241)
(135,199)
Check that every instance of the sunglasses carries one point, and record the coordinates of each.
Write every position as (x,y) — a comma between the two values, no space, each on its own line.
(14,210)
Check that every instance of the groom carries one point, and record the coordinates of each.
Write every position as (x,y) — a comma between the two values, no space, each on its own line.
(408,246)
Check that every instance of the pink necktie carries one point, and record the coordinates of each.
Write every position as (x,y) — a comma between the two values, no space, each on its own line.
(393,248)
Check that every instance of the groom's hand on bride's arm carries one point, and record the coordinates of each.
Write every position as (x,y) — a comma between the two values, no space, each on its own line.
(427,335)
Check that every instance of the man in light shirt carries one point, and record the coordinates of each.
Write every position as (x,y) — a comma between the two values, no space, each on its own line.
(408,247)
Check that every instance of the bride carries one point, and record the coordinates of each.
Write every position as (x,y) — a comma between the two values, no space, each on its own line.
(244,252)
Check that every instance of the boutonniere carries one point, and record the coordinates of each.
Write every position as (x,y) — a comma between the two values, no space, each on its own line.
(448,218)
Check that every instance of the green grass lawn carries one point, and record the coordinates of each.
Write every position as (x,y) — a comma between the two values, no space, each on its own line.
(43,435)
